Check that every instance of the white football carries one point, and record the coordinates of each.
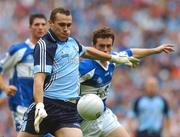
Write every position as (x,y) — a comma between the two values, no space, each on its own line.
(90,107)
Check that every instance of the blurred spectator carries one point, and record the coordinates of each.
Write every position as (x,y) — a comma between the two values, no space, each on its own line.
(151,111)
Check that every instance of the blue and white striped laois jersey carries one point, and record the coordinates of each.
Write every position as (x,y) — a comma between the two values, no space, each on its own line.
(150,112)
(18,64)
(95,78)
(60,60)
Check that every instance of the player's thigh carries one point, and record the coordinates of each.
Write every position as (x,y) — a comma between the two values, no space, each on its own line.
(119,132)
(69,132)
(91,128)
(18,116)
(25,134)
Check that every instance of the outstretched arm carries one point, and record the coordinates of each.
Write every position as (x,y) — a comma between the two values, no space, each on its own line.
(95,54)
(143,52)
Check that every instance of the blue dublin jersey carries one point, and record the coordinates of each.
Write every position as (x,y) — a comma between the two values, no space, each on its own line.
(150,112)
(95,78)
(60,61)
(18,65)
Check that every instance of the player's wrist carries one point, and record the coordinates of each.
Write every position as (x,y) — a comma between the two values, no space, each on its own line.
(119,59)
(113,58)
(40,105)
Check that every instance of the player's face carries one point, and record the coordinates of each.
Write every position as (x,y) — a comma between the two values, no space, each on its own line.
(61,26)
(104,44)
(151,86)
(38,28)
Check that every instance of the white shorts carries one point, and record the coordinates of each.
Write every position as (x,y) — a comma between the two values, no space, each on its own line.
(18,116)
(102,126)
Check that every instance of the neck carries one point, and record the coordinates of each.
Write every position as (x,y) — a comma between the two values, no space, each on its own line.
(34,40)
(104,63)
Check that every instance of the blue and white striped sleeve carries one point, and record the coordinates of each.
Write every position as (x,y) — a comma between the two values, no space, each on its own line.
(44,56)
(126,52)
(12,57)
(86,70)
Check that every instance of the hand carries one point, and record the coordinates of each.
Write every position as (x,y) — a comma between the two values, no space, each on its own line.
(167,48)
(10,90)
(128,61)
(40,114)
(134,61)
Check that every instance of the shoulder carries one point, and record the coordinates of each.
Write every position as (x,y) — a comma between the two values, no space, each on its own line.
(138,99)
(16,47)
(86,65)
(45,44)
(87,62)
(72,39)
(126,52)
(162,98)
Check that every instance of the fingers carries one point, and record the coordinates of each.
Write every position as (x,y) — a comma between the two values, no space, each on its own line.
(11,90)
(40,114)
(167,48)
(129,64)
(37,122)
(134,61)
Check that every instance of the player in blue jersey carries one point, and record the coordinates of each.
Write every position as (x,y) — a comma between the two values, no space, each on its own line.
(151,111)
(56,79)
(18,64)
(95,77)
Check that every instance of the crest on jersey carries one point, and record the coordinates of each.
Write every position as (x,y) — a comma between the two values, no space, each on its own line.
(99,80)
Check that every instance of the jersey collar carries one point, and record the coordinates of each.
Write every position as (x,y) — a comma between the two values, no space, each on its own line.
(105,68)
(29,43)
(53,37)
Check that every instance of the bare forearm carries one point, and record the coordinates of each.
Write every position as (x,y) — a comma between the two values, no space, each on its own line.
(93,53)
(3,84)
(140,53)
(38,87)
(167,126)
(130,126)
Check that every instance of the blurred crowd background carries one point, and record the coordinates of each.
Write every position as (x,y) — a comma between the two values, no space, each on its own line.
(136,23)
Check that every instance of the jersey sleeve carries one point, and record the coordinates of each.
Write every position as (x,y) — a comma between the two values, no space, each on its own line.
(86,70)
(12,57)
(82,48)
(166,109)
(44,54)
(126,52)
(135,110)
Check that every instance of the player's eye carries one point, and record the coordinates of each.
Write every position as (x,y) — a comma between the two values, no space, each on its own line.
(64,24)
(69,25)
(108,45)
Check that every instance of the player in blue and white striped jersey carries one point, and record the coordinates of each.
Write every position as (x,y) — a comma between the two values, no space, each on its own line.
(95,77)
(18,65)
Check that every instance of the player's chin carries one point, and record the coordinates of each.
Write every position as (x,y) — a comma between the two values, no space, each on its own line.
(40,35)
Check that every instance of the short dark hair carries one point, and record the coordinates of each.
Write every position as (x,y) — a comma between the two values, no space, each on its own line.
(61,10)
(104,32)
(34,16)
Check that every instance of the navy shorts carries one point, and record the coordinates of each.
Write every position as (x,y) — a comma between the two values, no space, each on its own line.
(147,133)
(60,114)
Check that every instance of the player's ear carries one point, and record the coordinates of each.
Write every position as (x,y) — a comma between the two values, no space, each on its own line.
(50,22)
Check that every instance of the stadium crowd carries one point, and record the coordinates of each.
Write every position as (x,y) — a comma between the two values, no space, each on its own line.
(136,23)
